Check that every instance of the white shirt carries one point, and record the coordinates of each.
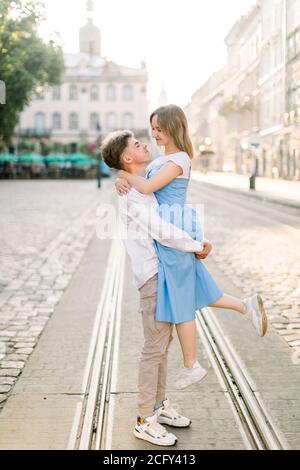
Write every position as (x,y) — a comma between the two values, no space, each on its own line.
(139,225)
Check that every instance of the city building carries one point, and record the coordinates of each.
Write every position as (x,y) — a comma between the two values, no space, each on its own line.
(291,133)
(206,124)
(258,96)
(224,112)
(95,96)
(243,45)
(240,104)
(272,86)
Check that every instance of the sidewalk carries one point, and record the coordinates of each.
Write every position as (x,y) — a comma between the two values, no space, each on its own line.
(277,191)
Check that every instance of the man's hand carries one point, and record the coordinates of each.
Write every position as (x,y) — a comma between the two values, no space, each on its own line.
(207,247)
(122,186)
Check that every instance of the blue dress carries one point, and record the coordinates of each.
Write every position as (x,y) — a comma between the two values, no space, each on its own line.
(184,284)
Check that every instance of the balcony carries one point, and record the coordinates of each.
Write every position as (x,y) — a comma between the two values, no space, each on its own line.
(229,105)
(292,117)
(35,132)
(246,102)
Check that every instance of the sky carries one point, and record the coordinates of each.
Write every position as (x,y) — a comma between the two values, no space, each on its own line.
(181,41)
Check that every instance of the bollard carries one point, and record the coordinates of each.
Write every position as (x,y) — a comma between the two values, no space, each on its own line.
(252,182)
(99,174)
(99,170)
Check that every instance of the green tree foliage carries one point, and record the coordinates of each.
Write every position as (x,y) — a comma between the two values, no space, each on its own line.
(26,62)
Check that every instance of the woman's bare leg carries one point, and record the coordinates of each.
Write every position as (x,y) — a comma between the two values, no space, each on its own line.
(187,336)
(229,302)
(187,331)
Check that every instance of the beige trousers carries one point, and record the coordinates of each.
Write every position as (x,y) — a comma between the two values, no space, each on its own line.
(154,357)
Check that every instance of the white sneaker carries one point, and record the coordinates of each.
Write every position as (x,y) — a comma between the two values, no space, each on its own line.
(150,430)
(256,313)
(167,414)
(190,376)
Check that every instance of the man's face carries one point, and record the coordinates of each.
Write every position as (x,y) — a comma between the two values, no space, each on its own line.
(136,152)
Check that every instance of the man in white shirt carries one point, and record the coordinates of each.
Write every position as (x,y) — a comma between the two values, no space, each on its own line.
(140,224)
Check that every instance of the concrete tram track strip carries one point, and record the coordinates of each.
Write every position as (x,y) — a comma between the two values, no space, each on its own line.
(254,421)
(87,428)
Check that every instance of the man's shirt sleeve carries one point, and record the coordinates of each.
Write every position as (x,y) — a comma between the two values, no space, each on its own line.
(146,223)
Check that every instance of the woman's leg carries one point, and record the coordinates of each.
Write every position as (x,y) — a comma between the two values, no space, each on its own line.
(187,337)
(187,331)
(253,307)
(230,303)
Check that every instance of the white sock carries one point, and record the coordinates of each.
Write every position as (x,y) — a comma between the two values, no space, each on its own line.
(196,364)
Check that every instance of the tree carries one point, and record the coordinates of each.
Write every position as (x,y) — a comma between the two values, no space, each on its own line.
(26,62)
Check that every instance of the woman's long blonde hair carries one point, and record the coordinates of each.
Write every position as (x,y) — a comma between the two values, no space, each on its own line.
(173,122)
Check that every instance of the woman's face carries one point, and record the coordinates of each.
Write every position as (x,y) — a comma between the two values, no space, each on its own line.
(162,139)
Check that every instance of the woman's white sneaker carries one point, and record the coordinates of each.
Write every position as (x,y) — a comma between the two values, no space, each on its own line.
(254,310)
(189,376)
(150,430)
(167,414)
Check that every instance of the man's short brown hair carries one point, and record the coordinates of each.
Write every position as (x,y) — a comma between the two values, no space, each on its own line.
(113,148)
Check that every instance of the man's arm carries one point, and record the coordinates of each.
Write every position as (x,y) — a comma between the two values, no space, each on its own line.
(145,220)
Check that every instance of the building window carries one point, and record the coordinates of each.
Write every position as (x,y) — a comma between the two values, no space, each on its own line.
(94,93)
(94,121)
(56,93)
(56,121)
(39,95)
(73,93)
(111,121)
(110,93)
(39,121)
(128,93)
(73,121)
(128,121)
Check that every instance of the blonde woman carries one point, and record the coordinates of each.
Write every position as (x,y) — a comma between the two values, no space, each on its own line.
(184,283)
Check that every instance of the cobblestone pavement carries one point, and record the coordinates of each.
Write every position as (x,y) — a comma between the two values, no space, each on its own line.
(45,228)
(258,253)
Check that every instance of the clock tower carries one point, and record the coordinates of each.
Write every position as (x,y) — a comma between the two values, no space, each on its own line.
(89,35)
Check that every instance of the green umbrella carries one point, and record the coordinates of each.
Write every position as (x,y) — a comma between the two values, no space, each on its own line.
(86,162)
(78,156)
(31,158)
(56,158)
(7,157)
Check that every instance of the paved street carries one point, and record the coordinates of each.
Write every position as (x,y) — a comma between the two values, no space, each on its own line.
(52,267)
